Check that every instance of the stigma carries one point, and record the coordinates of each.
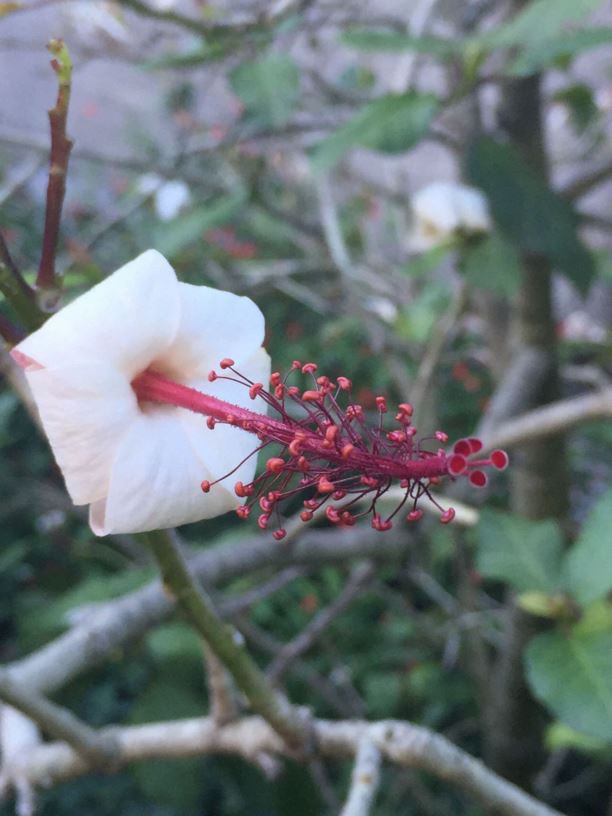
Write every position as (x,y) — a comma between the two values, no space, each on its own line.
(323,449)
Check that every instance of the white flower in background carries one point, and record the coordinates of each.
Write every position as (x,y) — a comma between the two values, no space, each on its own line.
(443,211)
(139,467)
(169,197)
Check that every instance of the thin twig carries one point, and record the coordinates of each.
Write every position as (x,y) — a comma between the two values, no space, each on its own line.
(435,347)
(61,146)
(313,631)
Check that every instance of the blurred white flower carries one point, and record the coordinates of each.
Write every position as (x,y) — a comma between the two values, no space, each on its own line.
(443,211)
(139,467)
(169,197)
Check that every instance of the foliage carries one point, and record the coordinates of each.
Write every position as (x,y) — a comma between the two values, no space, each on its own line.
(306,102)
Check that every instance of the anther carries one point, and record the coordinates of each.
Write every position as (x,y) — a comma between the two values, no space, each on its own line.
(212,376)
(325,486)
(309,368)
(275,464)
(205,486)
(211,422)
(447,516)
(226,362)
(255,390)
(313,396)
(381,404)
(344,383)
(279,534)
(414,515)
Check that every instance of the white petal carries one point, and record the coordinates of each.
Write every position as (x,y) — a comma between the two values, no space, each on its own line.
(155,480)
(85,410)
(225,447)
(213,325)
(434,206)
(127,320)
(474,210)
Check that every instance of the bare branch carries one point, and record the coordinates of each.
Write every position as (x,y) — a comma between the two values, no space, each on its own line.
(364,780)
(551,419)
(398,742)
(99,750)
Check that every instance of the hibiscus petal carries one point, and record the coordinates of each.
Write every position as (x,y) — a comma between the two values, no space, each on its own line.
(127,320)
(155,480)
(213,325)
(225,447)
(85,409)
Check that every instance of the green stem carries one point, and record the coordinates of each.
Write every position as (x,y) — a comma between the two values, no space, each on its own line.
(195,603)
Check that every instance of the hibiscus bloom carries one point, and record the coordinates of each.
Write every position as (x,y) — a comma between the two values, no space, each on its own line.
(139,465)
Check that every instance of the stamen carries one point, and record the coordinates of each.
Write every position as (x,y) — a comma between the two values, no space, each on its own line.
(330,452)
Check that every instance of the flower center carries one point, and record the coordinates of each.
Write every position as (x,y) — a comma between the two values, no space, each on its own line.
(329,451)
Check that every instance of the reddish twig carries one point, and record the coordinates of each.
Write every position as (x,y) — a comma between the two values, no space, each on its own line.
(61,145)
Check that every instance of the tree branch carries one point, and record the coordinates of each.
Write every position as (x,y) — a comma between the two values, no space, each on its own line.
(364,780)
(398,742)
(99,750)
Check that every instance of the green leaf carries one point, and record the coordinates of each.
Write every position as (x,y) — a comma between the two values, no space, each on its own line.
(539,20)
(579,101)
(526,554)
(572,675)
(588,565)
(558,49)
(491,263)
(269,89)
(560,736)
(177,783)
(392,124)
(375,41)
(189,227)
(527,212)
